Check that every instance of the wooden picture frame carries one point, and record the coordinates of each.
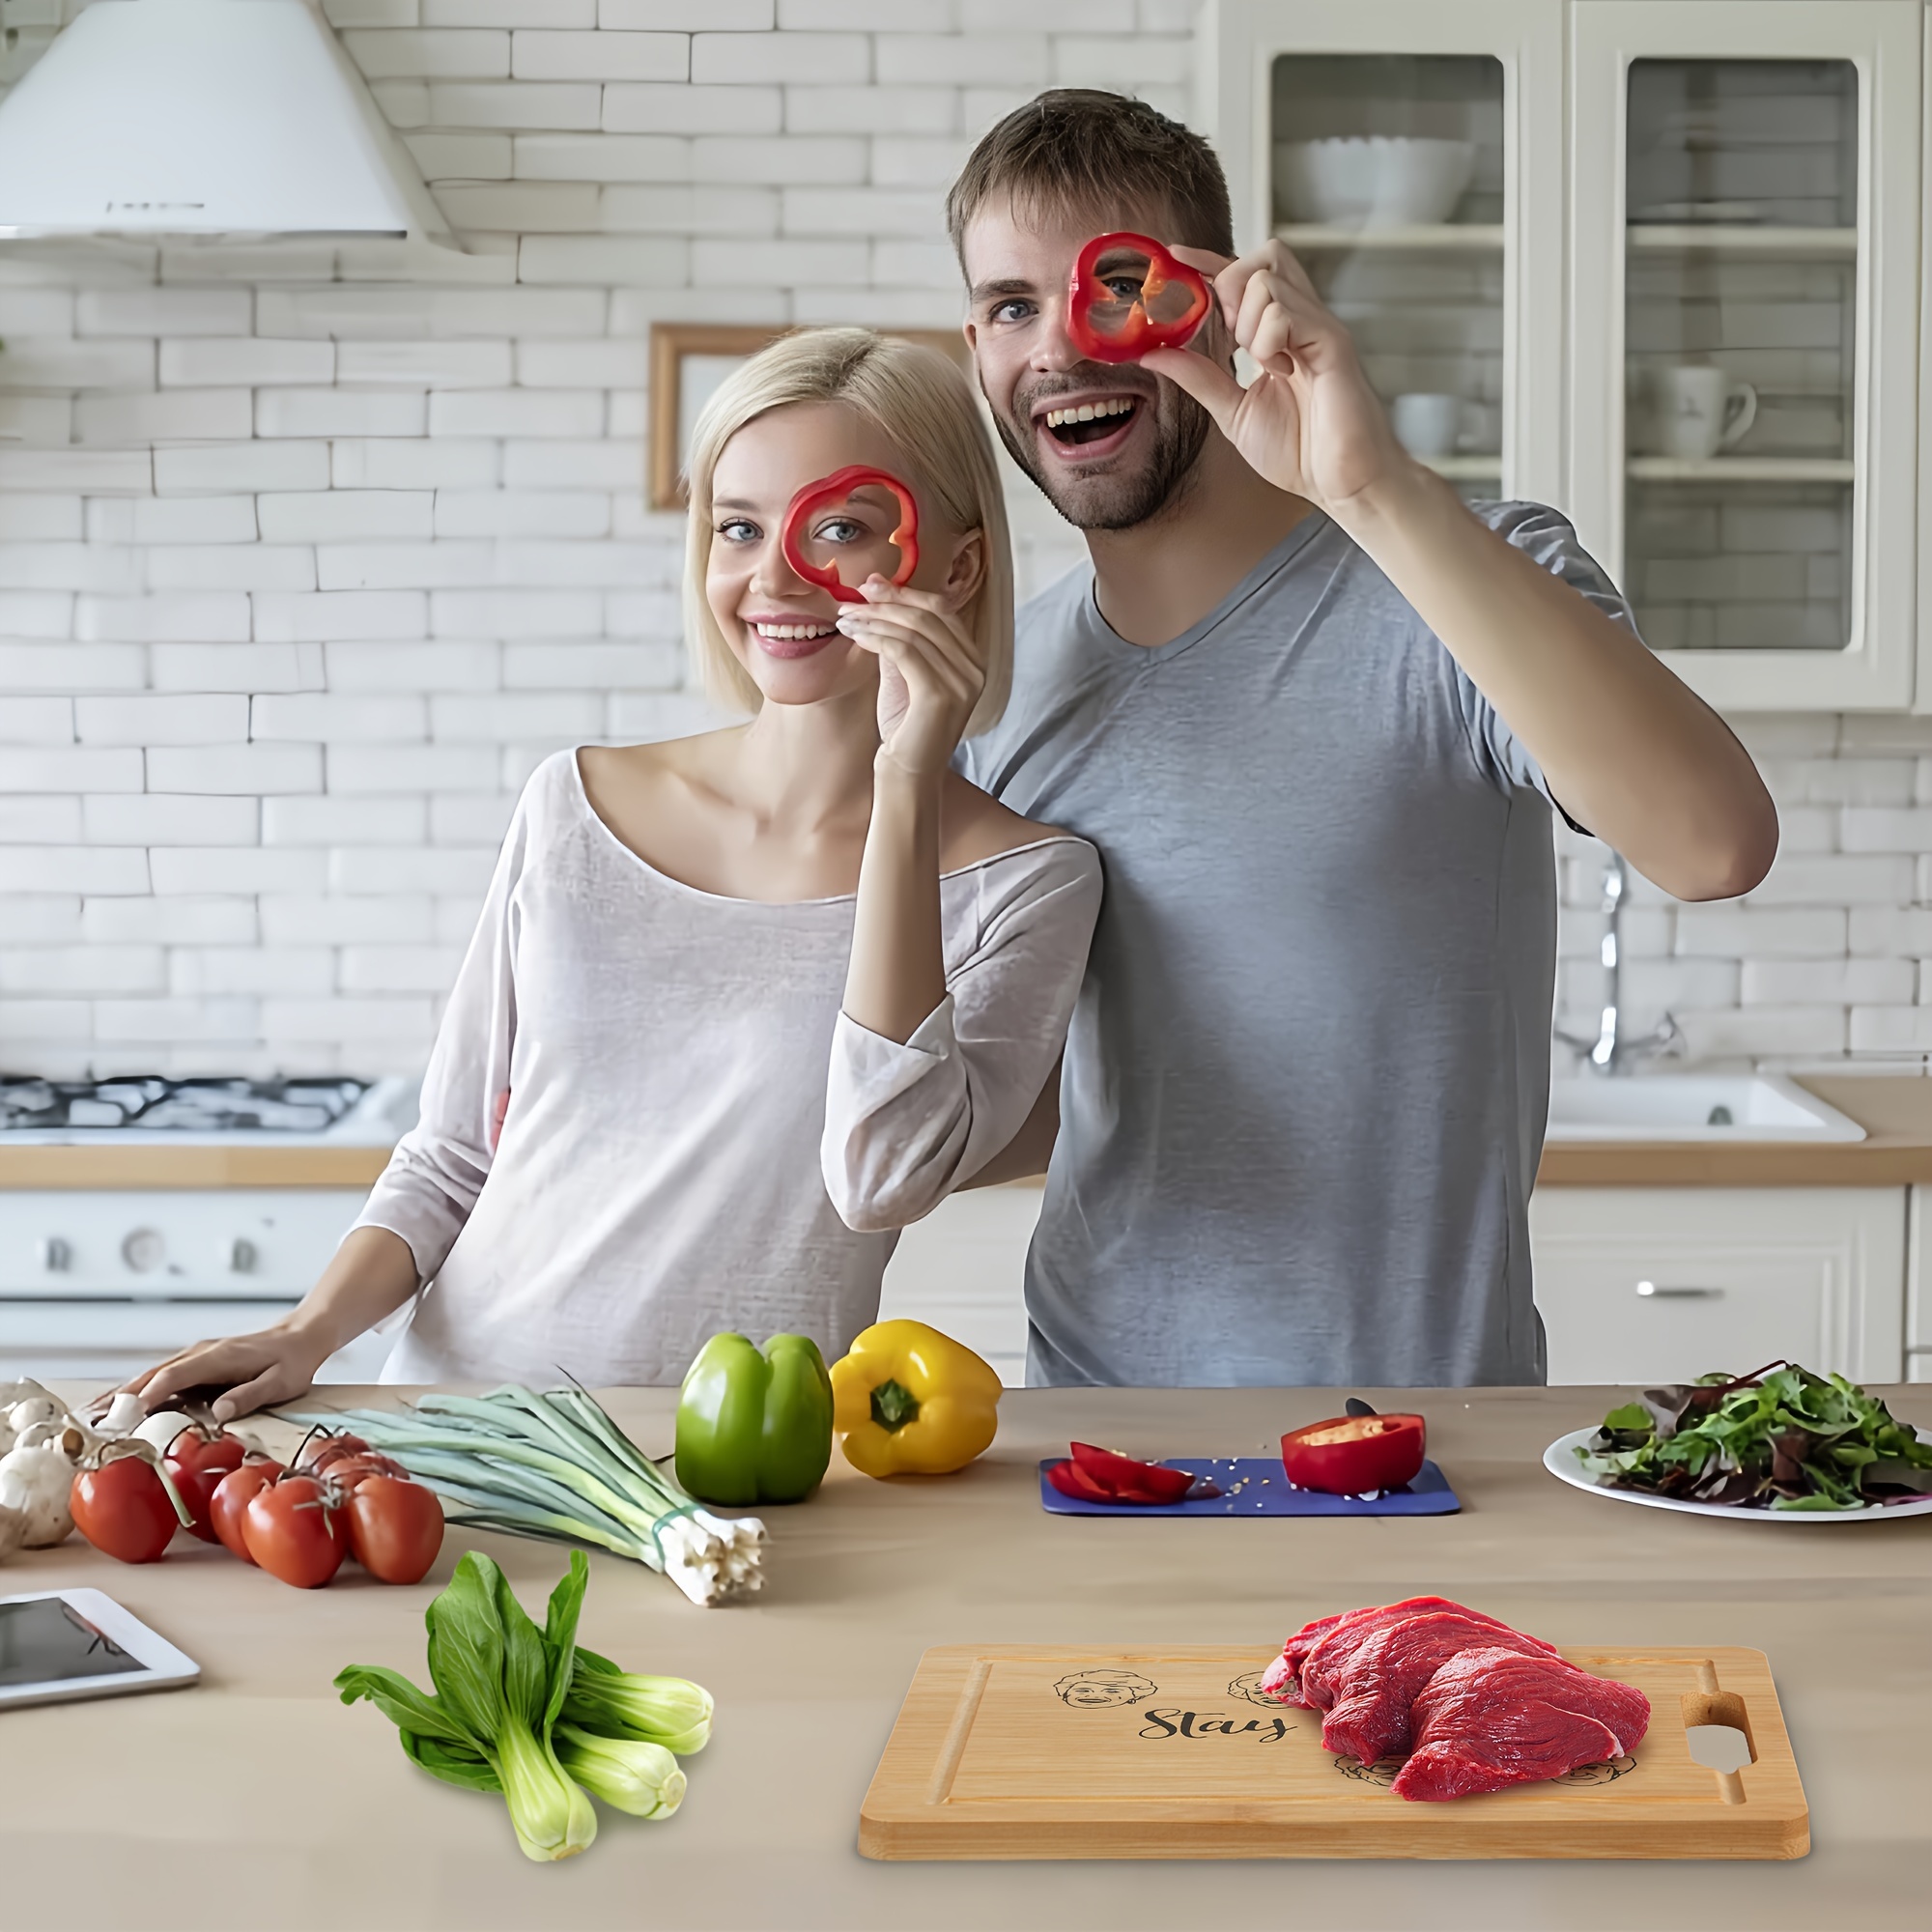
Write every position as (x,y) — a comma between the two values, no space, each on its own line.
(675,344)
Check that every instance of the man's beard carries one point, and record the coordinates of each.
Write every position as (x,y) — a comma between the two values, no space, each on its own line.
(1122,499)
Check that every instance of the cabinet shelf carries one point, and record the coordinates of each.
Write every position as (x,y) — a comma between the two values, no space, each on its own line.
(1464,468)
(1740,470)
(1741,238)
(1313,239)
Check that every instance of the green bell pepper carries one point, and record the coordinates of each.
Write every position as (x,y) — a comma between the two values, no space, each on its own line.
(755,1426)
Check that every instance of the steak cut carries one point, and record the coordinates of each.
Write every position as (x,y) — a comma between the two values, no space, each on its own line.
(1323,1668)
(1492,1718)
(1369,1718)
(1287,1678)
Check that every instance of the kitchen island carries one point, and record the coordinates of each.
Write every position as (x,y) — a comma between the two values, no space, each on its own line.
(258,1800)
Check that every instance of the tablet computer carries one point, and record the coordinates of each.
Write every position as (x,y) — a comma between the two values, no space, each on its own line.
(58,1644)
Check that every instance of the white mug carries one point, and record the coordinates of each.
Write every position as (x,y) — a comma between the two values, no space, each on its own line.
(1700,410)
(1428,425)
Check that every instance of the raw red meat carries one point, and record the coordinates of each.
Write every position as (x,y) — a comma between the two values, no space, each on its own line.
(1322,1669)
(1491,1718)
(1287,1678)
(1369,1719)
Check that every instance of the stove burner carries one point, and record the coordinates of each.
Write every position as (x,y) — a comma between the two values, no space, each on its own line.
(183,1106)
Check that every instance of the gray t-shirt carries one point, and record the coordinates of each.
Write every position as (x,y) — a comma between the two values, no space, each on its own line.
(1306,1080)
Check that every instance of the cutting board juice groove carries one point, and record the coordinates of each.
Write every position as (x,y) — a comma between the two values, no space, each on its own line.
(1016,1751)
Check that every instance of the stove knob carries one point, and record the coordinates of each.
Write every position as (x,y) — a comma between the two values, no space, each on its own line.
(241,1257)
(144,1250)
(56,1257)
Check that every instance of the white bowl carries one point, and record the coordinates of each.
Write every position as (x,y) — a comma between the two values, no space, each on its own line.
(1375,181)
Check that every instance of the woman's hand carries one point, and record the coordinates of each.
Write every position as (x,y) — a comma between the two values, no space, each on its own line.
(257,1371)
(930,673)
(1308,422)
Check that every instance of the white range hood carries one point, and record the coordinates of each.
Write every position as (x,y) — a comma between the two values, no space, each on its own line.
(206,120)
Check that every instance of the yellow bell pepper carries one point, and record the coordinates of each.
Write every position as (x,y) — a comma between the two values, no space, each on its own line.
(909,1401)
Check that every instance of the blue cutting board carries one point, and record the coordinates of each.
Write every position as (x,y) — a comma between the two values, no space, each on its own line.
(1255,1486)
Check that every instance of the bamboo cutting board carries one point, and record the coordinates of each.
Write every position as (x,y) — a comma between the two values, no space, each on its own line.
(1011,1751)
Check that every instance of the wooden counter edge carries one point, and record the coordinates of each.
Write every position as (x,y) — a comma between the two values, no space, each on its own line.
(104,1167)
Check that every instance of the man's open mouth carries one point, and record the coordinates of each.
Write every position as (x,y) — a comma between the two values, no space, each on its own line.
(1075,424)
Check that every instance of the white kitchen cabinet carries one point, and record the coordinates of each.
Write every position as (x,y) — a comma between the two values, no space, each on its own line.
(963,1270)
(1918,1287)
(1651,1284)
(1692,223)
(1455,302)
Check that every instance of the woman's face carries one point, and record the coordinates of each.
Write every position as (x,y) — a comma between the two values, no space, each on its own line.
(778,624)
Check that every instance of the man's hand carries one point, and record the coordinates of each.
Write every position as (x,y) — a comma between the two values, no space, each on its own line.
(1309,423)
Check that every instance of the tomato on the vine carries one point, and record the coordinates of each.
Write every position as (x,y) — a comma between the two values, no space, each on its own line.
(230,1501)
(395,1529)
(198,1462)
(123,1509)
(292,1529)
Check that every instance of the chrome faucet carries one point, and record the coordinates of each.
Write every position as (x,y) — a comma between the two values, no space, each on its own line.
(1610,1052)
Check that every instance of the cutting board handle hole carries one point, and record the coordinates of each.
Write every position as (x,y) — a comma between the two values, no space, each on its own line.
(1717,1730)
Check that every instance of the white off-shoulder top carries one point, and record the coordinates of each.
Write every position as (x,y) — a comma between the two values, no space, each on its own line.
(646,1118)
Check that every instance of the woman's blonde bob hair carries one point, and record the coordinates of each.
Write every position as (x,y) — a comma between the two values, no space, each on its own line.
(925,408)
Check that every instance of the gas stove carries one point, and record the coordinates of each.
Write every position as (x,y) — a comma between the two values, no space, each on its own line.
(98,1283)
(146,1108)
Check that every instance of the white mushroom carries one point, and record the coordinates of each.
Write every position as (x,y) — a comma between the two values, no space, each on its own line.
(36,1480)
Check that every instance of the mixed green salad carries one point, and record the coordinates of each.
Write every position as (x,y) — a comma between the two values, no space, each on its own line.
(1779,1439)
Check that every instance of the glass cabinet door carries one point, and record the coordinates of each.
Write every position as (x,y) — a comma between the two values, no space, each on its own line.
(1734,319)
(1387,180)
(1410,153)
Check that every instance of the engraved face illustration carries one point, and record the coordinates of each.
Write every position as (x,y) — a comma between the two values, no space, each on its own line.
(1104,1690)
(1248,1686)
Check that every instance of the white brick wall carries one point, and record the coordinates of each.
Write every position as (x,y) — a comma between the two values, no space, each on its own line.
(305,560)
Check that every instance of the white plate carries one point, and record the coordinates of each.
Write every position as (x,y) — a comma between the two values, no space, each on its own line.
(1560,1460)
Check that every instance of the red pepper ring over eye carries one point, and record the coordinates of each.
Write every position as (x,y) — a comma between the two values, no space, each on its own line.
(1108,327)
(839,488)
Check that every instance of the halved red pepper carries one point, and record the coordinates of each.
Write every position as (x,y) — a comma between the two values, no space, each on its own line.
(839,488)
(1138,331)
(1101,1476)
(1352,1455)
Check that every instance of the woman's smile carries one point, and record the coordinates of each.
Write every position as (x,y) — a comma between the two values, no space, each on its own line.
(781,635)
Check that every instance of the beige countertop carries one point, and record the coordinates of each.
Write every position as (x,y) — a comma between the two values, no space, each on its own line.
(1896,1114)
(256,1799)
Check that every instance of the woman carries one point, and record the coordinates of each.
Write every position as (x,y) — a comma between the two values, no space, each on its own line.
(629,1140)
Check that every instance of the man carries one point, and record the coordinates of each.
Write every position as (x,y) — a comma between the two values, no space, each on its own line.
(1315,714)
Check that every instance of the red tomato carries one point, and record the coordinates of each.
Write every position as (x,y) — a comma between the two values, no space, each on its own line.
(395,1529)
(198,1462)
(122,1509)
(350,1471)
(231,1499)
(327,1449)
(291,1530)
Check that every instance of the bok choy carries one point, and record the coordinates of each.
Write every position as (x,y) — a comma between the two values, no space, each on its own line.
(505,1715)
(499,1688)
(557,1466)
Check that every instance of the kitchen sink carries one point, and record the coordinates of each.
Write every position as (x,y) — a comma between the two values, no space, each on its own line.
(1692,1107)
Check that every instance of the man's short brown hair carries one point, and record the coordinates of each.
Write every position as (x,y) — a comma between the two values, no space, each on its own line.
(1076,147)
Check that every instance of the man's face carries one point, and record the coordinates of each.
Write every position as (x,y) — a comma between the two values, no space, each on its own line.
(1122,465)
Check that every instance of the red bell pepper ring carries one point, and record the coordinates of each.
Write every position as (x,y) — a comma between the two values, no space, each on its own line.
(839,488)
(1138,331)
(1355,1454)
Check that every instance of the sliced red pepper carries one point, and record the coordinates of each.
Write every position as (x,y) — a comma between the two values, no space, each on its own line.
(1071,1480)
(1132,334)
(1352,1455)
(839,488)
(1127,1481)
